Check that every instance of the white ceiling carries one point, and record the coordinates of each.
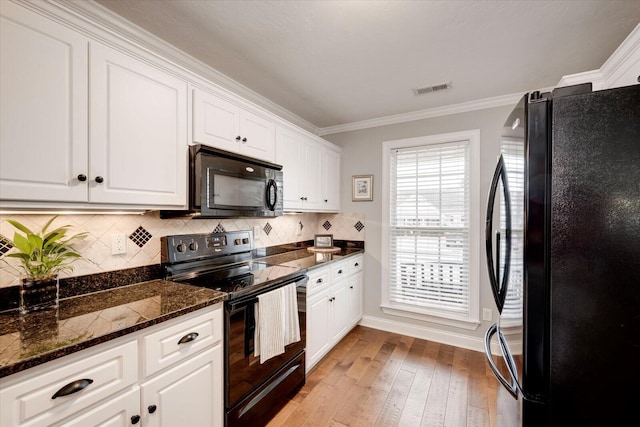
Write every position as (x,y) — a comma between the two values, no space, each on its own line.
(338,62)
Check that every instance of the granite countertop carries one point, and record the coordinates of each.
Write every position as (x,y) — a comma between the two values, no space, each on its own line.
(304,259)
(97,308)
(87,320)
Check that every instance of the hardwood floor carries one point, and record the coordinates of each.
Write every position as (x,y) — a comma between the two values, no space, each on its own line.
(377,378)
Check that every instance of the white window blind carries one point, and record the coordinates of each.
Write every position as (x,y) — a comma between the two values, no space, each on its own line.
(429,226)
(513,155)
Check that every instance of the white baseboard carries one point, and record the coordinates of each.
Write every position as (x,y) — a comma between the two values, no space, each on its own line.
(425,333)
(431,334)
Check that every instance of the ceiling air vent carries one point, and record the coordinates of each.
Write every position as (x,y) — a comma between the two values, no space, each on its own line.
(429,89)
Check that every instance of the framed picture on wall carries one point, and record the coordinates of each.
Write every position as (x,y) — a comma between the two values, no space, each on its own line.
(362,188)
(323,241)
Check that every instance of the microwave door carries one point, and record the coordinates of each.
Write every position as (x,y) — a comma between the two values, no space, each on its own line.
(226,191)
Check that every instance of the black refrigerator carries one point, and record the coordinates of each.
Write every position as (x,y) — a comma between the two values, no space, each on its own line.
(563,257)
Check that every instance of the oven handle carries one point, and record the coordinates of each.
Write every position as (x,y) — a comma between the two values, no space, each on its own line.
(301,283)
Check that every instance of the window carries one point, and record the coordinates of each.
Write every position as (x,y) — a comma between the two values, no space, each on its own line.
(513,155)
(430,228)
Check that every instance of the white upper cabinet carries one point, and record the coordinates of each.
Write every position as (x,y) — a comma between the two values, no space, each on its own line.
(310,173)
(222,124)
(331,173)
(138,131)
(288,143)
(43,108)
(130,152)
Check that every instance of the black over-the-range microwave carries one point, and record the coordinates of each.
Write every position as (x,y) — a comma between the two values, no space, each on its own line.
(224,184)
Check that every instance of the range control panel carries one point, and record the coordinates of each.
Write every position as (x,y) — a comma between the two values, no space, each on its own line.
(185,247)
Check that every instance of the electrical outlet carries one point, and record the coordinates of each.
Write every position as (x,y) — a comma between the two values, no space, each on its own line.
(486,314)
(256,232)
(118,244)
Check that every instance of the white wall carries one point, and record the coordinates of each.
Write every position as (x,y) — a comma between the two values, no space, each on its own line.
(362,154)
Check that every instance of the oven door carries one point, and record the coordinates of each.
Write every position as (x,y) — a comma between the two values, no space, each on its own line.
(243,371)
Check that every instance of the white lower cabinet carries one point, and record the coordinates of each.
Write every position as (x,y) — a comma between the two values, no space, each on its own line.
(334,306)
(185,394)
(117,412)
(105,385)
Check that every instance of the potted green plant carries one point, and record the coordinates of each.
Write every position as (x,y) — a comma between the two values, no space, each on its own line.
(43,255)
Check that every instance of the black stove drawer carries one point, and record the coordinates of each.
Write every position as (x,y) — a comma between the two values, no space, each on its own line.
(265,402)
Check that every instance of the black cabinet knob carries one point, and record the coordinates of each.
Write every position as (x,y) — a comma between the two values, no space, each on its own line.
(82,177)
(326,201)
(135,419)
(238,138)
(99,179)
(152,408)
(244,139)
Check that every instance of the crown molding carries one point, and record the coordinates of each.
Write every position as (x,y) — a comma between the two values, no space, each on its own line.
(464,107)
(124,29)
(607,75)
(617,63)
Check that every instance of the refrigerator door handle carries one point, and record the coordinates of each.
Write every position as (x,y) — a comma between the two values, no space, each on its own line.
(513,386)
(498,287)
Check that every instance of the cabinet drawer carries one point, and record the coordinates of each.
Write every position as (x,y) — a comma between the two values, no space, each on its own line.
(176,342)
(354,264)
(339,271)
(318,279)
(31,402)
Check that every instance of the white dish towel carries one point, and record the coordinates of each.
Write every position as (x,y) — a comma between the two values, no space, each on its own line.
(276,315)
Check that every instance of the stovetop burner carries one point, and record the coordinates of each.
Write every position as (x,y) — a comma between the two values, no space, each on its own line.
(222,261)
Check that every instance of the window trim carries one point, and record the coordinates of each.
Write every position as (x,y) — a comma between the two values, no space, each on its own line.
(472,320)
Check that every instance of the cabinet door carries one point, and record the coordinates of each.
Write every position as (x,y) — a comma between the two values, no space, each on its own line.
(189,394)
(138,134)
(288,154)
(116,412)
(354,298)
(43,108)
(338,315)
(258,136)
(331,181)
(216,122)
(311,177)
(318,312)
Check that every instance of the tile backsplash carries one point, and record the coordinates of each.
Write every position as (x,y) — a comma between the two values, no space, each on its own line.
(143,234)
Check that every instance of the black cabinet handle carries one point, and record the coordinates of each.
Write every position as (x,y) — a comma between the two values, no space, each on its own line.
(99,179)
(244,139)
(82,177)
(72,387)
(326,201)
(356,264)
(152,408)
(340,271)
(135,419)
(238,138)
(319,281)
(350,287)
(188,338)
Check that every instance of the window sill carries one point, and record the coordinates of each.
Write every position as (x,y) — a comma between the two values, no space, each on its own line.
(449,320)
